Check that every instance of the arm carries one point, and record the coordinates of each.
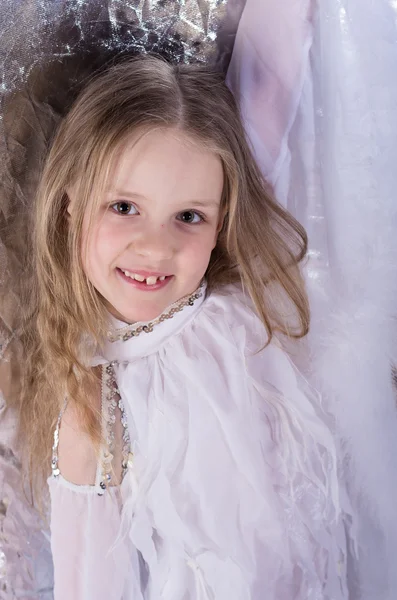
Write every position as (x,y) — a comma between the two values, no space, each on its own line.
(304,457)
(84,524)
(266,72)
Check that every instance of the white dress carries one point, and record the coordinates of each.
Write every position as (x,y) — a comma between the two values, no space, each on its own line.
(230,492)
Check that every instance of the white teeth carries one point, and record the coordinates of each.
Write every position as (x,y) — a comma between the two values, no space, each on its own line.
(151,280)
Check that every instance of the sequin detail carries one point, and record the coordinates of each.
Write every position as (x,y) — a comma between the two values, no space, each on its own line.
(110,400)
(126,333)
(54,459)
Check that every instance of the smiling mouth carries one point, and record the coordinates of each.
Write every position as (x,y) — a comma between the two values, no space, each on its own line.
(151,280)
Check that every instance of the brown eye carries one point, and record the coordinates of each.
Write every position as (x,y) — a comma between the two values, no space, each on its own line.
(190,217)
(124,208)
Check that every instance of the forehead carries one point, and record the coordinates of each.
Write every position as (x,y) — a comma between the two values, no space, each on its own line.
(166,162)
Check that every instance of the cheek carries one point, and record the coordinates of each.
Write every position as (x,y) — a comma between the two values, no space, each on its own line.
(105,241)
(197,251)
(97,248)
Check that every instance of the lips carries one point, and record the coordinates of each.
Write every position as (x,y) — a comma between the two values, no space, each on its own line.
(144,279)
(151,280)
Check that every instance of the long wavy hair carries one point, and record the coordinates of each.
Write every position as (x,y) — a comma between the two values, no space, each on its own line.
(260,244)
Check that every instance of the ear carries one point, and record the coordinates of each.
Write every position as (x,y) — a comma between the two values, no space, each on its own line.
(217,231)
(222,215)
(68,203)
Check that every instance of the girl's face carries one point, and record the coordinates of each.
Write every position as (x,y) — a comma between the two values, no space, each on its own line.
(153,234)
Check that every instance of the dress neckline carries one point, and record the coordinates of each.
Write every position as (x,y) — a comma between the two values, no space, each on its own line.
(127,342)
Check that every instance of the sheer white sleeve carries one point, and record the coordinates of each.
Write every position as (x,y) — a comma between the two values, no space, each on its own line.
(90,557)
(266,74)
(303,461)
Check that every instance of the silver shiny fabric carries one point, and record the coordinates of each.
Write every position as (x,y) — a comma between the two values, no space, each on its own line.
(35,30)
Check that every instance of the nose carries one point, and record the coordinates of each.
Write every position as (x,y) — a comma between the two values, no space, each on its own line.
(156,244)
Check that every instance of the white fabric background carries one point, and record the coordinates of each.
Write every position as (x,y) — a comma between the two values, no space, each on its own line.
(326,96)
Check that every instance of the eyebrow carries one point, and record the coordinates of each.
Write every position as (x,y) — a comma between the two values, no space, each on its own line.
(204,203)
(192,203)
(110,192)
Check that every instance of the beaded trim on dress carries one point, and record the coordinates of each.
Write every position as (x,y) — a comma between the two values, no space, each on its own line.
(133,330)
(110,399)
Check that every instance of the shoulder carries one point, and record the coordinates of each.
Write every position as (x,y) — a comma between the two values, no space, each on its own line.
(231,317)
(77,453)
(231,307)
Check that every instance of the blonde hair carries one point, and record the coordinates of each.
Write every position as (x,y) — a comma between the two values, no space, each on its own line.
(259,245)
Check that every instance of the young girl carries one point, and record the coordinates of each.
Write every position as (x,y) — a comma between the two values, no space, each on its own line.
(190,460)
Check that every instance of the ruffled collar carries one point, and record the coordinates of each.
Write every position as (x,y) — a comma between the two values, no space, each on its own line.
(127,343)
